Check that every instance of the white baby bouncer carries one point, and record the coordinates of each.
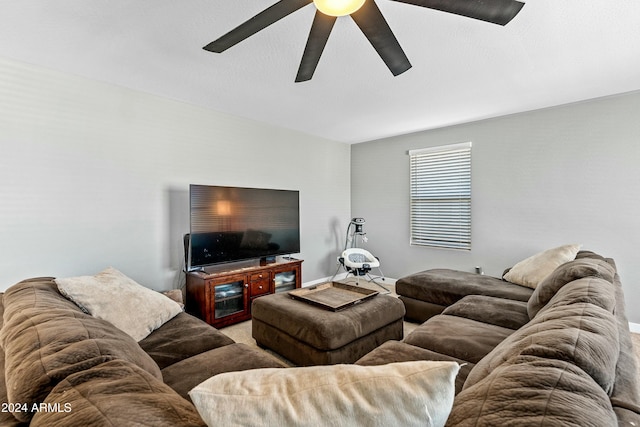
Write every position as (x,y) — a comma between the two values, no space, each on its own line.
(357,261)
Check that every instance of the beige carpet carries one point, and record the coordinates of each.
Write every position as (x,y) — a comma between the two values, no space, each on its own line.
(241,332)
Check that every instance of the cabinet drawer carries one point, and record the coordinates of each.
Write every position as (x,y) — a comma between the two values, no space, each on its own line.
(259,287)
(256,277)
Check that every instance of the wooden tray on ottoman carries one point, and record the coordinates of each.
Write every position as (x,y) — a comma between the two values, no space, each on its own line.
(333,296)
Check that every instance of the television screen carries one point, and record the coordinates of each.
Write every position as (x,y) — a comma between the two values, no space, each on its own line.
(234,224)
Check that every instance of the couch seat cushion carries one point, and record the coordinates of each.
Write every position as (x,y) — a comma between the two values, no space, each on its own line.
(180,338)
(395,351)
(458,337)
(495,311)
(185,375)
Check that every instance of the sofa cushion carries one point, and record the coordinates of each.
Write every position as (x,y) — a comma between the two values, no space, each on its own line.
(396,351)
(185,375)
(494,311)
(6,418)
(180,338)
(35,293)
(398,394)
(577,269)
(115,393)
(116,298)
(582,334)
(534,391)
(590,290)
(444,286)
(47,338)
(458,337)
(591,254)
(531,271)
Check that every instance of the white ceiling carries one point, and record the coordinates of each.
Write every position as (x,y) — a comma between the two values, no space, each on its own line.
(554,52)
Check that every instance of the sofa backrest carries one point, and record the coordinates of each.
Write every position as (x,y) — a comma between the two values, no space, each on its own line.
(625,396)
(581,333)
(115,393)
(573,363)
(566,273)
(47,338)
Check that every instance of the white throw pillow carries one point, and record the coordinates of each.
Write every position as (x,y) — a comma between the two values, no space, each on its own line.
(533,270)
(418,393)
(114,297)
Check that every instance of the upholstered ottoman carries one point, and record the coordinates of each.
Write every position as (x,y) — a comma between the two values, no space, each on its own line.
(309,335)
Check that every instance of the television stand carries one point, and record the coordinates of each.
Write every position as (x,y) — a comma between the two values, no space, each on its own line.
(222,296)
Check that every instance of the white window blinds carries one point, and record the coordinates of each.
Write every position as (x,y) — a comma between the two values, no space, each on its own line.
(441,196)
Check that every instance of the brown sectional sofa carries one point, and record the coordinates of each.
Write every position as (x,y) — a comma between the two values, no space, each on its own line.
(559,355)
(562,356)
(64,367)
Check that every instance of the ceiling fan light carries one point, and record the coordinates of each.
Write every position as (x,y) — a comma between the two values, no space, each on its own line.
(338,7)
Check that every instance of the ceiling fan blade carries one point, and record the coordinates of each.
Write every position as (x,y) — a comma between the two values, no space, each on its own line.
(375,28)
(318,36)
(260,21)
(494,11)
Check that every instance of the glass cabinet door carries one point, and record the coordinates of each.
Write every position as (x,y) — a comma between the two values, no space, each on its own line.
(228,299)
(285,281)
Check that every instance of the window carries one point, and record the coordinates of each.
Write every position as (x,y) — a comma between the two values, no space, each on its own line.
(441,196)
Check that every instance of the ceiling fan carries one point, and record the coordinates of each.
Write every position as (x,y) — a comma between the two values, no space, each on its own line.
(368,17)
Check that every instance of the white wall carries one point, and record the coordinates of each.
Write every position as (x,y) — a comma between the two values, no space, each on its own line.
(93,175)
(569,174)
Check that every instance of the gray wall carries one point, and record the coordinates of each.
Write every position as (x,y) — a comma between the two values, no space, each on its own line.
(93,175)
(569,174)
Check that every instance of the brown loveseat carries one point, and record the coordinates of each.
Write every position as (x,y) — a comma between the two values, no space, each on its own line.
(63,367)
(561,356)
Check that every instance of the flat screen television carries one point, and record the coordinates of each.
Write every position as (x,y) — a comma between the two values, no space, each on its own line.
(230,224)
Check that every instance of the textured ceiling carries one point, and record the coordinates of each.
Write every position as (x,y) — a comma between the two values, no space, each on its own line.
(554,52)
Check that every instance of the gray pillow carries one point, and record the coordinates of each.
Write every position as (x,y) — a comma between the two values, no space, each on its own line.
(531,271)
(114,297)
